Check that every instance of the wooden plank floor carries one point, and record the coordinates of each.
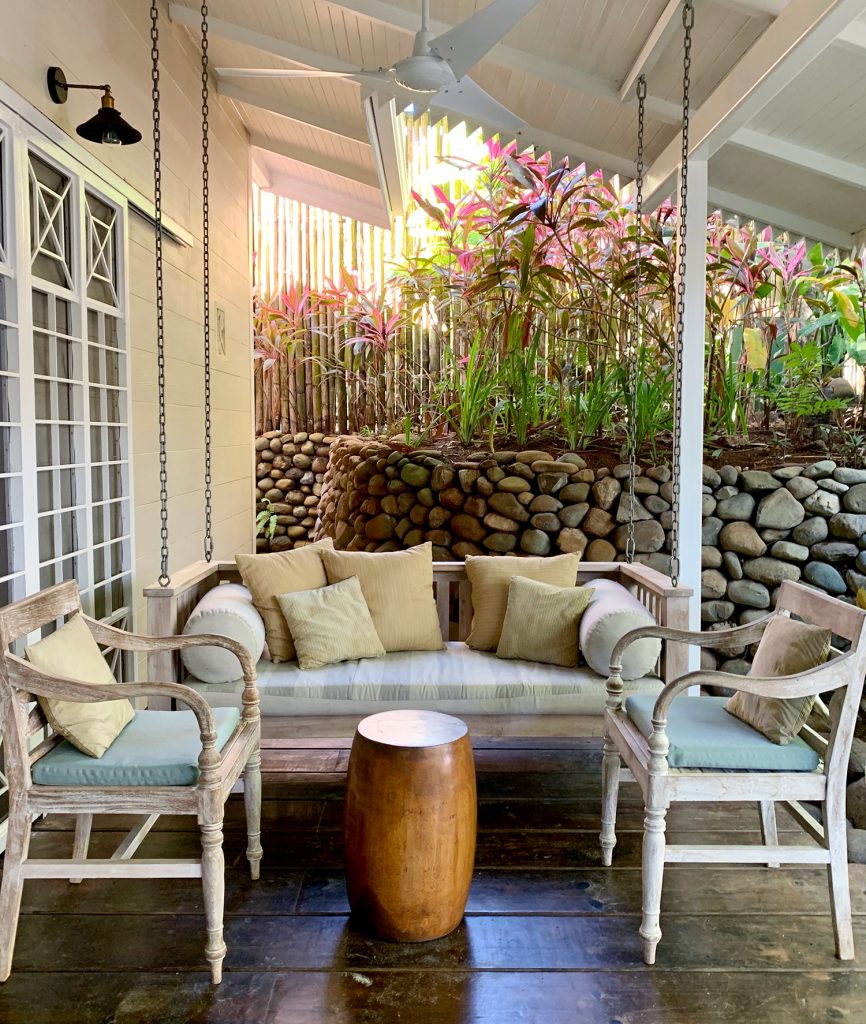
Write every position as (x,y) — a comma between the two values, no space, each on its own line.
(549,935)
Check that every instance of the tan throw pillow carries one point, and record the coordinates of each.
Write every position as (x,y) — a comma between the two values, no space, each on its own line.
(541,622)
(72,652)
(787,647)
(331,624)
(398,589)
(490,575)
(283,572)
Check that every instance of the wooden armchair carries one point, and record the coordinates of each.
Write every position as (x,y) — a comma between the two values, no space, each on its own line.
(224,745)
(646,751)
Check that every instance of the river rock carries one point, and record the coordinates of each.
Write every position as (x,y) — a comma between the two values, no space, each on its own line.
(571,541)
(528,457)
(380,527)
(834,551)
(598,523)
(749,593)
(545,503)
(854,499)
(710,478)
(573,515)
(818,470)
(713,585)
(550,466)
(500,523)
(822,503)
(770,570)
(833,486)
(710,529)
(649,536)
(825,577)
(656,504)
(438,517)
(849,475)
(716,611)
(742,538)
(572,493)
(811,531)
(787,472)
(507,505)
(737,666)
(801,487)
(550,483)
(856,581)
(501,543)
(737,507)
(415,475)
(729,475)
(606,491)
(661,474)
(779,511)
(574,459)
(711,557)
(600,551)
(467,528)
(790,552)
(546,521)
(757,480)
(733,565)
(848,525)
(513,484)
(630,506)
(534,542)
(643,485)
(708,505)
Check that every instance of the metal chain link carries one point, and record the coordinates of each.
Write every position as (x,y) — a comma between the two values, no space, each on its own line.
(164,578)
(634,341)
(688,26)
(205,204)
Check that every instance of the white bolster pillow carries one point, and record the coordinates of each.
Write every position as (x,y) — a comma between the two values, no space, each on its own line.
(613,612)
(226,610)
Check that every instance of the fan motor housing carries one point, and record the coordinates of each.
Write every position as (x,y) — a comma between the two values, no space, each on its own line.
(423,73)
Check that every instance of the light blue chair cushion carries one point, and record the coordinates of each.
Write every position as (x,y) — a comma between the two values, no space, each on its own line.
(157,748)
(703,735)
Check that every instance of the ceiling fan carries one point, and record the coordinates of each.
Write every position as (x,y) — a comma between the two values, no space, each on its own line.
(435,73)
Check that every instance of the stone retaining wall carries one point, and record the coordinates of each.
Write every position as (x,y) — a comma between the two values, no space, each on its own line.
(759,528)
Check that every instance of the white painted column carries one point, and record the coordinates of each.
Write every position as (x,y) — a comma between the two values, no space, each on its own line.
(692,404)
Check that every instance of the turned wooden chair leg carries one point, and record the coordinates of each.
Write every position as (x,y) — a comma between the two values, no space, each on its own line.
(253,810)
(213,888)
(17,847)
(768,827)
(837,875)
(653,874)
(610,767)
(83,825)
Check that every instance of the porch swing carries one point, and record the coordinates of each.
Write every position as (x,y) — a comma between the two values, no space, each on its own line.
(757,746)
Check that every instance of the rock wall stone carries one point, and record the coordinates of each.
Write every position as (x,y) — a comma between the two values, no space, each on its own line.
(290,473)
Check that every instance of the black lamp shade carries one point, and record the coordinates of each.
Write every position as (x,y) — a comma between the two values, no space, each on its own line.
(108,128)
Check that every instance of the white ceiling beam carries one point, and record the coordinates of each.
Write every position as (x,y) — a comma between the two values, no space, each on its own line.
(389,152)
(408,22)
(369,211)
(652,49)
(756,8)
(853,37)
(283,108)
(342,169)
(801,156)
(781,220)
(803,30)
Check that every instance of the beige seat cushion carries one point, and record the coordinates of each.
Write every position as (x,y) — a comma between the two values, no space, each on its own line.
(398,589)
(283,572)
(331,624)
(787,648)
(72,652)
(541,622)
(490,575)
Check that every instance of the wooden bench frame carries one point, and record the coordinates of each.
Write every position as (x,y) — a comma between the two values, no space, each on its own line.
(168,609)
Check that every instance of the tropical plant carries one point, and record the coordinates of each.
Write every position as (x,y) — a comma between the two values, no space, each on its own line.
(266,521)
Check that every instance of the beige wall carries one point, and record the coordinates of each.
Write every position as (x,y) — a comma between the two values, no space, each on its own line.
(109,41)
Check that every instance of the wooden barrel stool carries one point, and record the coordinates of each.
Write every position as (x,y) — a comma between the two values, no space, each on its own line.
(410,824)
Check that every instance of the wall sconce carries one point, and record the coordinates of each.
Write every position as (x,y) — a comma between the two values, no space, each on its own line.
(106,126)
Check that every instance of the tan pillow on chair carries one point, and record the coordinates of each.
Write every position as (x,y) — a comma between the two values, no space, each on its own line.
(398,589)
(490,576)
(71,651)
(787,647)
(331,624)
(283,572)
(541,622)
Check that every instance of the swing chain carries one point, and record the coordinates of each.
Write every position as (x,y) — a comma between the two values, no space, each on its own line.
(164,578)
(205,201)
(688,25)
(635,337)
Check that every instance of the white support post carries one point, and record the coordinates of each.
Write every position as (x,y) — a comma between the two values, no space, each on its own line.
(692,404)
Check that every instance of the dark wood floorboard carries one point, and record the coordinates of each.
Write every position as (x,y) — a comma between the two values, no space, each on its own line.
(549,935)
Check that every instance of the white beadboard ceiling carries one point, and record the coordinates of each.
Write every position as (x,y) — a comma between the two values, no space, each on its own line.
(798,159)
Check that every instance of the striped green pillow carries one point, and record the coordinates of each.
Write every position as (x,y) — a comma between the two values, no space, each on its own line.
(541,622)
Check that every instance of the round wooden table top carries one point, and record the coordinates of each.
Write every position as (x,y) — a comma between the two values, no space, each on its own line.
(412,728)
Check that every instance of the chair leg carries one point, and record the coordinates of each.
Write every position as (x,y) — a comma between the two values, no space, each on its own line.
(837,875)
(253,810)
(213,887)
(610,766)
(83,824)
(768,827)
(17,848)
(653,874)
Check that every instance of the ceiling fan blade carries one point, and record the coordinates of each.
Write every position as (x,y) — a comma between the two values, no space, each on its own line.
(470,101)
(281,73)
(465,44)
